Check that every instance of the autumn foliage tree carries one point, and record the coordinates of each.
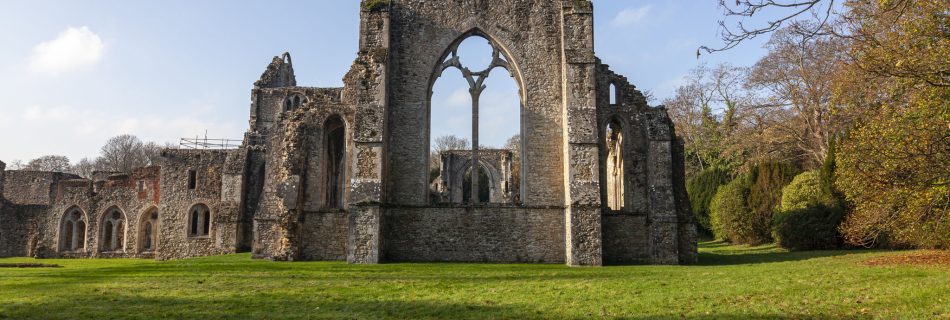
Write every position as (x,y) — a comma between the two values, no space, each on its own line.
(894,163)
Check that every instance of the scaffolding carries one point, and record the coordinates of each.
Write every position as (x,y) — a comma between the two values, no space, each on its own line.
(200,143)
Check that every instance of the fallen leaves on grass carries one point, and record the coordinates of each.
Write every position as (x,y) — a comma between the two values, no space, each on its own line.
(916,258)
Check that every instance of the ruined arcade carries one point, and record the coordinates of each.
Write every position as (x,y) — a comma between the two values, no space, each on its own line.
(343,173)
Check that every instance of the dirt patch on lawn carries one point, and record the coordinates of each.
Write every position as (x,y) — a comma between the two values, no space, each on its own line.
(916,258)
(29,265)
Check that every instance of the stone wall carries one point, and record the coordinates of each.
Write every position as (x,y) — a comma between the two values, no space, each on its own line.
(324,235)
(17,223)
(420,33)
(275,195)
(25,203)
(625,239)
(217,186)
(456,163)
(655,205)
(133,195)
(33,187)
(474,234)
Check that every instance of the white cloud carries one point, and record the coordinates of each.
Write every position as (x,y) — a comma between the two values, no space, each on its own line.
(72,49)
(631,16)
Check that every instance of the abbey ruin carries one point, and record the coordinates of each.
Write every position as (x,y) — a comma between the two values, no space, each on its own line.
(343,174)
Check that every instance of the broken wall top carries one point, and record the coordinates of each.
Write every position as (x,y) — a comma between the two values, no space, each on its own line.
(280,73)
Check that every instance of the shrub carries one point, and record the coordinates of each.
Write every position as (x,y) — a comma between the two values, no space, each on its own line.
(810,213)
(701,190)
(765,195)
(728,209)
(812,227)
(805,190)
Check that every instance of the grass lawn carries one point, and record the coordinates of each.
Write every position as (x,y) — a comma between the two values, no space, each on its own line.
(734,282)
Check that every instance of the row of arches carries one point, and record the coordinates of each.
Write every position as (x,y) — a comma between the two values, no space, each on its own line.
(113,227)
(294,102)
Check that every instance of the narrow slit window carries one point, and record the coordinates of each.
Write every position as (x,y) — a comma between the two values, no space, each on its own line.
(613,94)
(615,171)
(192,179)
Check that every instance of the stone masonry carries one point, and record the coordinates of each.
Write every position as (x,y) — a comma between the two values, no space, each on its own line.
(342,173)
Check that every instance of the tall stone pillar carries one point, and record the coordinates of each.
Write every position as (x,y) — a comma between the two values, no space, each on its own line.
(663,218)
(366,88)
(581,183)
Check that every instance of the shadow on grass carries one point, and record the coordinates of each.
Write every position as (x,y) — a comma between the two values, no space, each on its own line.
(300,306)
(718,253)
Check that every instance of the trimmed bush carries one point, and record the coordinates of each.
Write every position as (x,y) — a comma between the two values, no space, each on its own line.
(728,209)
(813,227)
(701,190)
(810,213)
(805,190)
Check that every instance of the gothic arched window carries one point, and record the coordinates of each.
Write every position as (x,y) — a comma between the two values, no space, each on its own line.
(463,111)
(199,221)
(113,231)
(73,231)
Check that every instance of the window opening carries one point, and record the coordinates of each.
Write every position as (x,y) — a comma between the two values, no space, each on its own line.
(192,179)
(613,94)
(335,142)
(200,225)
(615,168)
(490,121)
(73,231)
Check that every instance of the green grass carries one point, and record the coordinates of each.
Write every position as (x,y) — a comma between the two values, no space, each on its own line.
(730,282)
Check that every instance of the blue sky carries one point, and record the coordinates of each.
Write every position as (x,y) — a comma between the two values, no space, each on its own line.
(74,73)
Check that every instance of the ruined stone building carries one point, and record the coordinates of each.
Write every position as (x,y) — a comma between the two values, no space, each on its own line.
(342,173)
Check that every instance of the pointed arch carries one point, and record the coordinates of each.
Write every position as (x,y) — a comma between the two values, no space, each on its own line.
(335,161)
(112,230)
(148,234)
(501,58)
(72,230)
(615,162)
(199,221)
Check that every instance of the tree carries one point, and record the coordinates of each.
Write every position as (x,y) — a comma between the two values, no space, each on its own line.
(446,143)
(125,152)
(701,190)
(892,165)
(890,86)
(16,164)
(894,169)
(48,163)
(797,77)
(84,168)
(706,112)
(765,197)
